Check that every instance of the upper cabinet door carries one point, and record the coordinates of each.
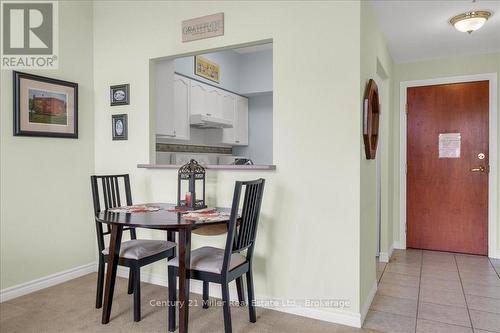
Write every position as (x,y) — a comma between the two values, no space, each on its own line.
(241,123)
(181,107)
(238,134)
(164,99)
(199,98)
(228,106)
(215,100)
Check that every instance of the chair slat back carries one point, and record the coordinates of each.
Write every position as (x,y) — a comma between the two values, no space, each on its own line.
(241,236)
(108,191)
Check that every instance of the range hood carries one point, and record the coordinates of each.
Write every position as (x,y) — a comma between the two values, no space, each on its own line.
(205,121)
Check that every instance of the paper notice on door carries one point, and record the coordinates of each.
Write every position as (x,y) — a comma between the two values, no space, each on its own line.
(449,145)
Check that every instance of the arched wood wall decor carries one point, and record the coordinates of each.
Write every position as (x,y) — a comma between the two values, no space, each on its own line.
(371,115)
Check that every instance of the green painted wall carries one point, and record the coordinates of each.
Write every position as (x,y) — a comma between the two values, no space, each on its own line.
(375,63)
(46,214)
(310,214)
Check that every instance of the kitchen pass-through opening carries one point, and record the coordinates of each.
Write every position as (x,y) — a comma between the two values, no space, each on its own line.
(215,107)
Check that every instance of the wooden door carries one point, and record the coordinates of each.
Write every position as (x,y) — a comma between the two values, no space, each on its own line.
(447,197)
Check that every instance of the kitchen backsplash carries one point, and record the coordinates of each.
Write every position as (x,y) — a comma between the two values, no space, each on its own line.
(199,149)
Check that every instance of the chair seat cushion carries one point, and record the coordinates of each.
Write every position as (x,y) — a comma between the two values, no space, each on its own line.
(210,259)
(141,248)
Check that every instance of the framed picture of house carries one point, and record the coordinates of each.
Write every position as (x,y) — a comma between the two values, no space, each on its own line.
(206,69)
(44,106)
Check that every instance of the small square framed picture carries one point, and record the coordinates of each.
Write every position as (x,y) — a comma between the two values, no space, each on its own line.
(119,94)
(120,127)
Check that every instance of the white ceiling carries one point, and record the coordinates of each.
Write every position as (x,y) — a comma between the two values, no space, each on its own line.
(420,29)
(254,48)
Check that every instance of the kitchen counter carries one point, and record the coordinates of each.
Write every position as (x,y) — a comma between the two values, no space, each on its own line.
(270,167)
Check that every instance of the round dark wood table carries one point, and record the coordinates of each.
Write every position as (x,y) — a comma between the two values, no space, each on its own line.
(159,220)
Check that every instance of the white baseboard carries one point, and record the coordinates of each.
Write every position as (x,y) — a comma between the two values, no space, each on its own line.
(45,282)
(494,255)
(386,256)
(337,316)
(383,257)
(158,279)
(397,245)
(195,286)
(368,302)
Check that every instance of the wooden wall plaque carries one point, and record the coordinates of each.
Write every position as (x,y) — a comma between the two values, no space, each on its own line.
(203,27)
(371,115)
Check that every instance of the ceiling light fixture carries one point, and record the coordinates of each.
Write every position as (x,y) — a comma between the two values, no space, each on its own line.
(470,21)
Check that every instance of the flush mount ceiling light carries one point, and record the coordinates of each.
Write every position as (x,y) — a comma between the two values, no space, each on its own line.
(470,21)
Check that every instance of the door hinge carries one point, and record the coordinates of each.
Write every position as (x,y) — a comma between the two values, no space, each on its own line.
(406,108)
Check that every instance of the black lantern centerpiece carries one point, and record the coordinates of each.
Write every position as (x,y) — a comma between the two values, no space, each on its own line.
(191,173)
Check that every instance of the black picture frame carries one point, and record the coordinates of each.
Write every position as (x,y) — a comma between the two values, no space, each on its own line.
(21,128)
(115,99)
(119,133)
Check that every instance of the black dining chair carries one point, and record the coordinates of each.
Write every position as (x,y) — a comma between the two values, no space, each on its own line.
(134,253)
(222,266)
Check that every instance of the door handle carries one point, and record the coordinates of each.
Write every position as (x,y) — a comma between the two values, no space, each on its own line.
(479,169)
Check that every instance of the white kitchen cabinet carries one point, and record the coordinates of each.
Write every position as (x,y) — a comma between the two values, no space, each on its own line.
(241,121)
(206,100)
(199,98)
(228,105)
(215,100)
(211,101)
(182,87)
(238,135)
(164,99)
(228,134)
(186,97)
(172,103)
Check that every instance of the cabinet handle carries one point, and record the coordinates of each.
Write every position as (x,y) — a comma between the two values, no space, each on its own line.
(209,114)
(237,141)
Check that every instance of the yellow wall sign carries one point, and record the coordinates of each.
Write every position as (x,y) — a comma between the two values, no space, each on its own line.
(207,69)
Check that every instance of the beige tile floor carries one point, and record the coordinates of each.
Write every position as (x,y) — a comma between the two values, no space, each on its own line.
(427,291)
(419,291)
